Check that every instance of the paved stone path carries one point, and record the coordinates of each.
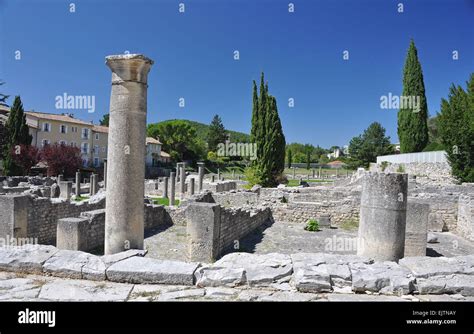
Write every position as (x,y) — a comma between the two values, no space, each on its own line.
(288,238)
(19,287)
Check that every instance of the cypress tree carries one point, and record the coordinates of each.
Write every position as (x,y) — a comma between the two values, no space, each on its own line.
(216,134)
(413,126)
(17,134)
(267,133)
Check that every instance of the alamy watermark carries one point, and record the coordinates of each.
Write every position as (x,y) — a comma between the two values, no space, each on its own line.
(244,150)
(75,102)
(392,101)
(10,241)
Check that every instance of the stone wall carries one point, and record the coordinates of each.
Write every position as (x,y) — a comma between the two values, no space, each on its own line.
(425,172)
(43,215)
(237,223)
(465,226)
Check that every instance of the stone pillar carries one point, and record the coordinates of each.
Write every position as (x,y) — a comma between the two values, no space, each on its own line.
(105,173)
(191,186)
(60,178)
(201,175)
(14,216)
(94,184)
(213,178)
(313,173)
(319,173)
(65,189)
(233,174)
(78,184)
(383,216)
(218,174)
(416,229)
(172,188)
(183,179)
(178,165)
(203,230)
(294,173)
(165,187)
(124,218)
(71,233)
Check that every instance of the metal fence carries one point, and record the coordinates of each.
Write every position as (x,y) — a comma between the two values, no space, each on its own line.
(434,156)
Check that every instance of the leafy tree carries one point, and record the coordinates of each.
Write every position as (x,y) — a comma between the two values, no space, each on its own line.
(105,120)
(290,158)
(412,124)
(216,133)
(308,159)
(61,159)
(17,134)
(3,140)
(267,133)
(456,130)
(365,148)
(179,140)
(25,157)
(3,97)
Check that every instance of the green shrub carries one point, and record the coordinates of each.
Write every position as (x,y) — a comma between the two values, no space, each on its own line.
(401,169)
(384,165)
(312,225)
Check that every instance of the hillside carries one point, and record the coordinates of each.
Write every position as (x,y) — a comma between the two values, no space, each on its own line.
(202,129)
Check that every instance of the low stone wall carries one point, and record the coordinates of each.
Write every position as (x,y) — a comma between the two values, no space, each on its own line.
(465,226)
(237,223)
(87,232)
(425,172)
(214,230)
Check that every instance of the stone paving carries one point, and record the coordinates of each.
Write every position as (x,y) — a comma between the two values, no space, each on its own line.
(287,238)
(19,287)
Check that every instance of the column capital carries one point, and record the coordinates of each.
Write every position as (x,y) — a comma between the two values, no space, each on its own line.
(129,67)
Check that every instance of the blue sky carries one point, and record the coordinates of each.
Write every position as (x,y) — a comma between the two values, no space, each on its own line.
(300,53)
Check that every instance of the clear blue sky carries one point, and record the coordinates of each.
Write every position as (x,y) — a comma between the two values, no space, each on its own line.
(300,53)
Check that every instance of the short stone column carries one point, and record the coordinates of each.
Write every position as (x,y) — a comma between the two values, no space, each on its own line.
(191,186)
(71,233)
(172,188)
(233,174)
(416,229)
(60,178)
(319,173)
(183,180)
(201,175)
(213,178)
(165,187)
(313,173)
(65,189)
(94,184)
(383,216)
(218,174)
(78,184)
(124,218)
(14,216)
(203,230)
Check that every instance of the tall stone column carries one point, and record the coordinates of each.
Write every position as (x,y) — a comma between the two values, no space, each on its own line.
(201,175)
(78,184)
(183,179)
(416,229)
(172,188)
(191,186)
(124,217)
(165,187)
(294,173)
(218,174)
(178,165)
(105,173)
(383,211)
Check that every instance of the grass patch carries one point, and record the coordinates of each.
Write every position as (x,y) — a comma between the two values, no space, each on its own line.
(312,225)
(163,201)
(81,198)
(350,224)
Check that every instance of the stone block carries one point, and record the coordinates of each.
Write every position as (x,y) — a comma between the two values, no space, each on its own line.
(27,258)
(147,270)
(71,234)
(416,229)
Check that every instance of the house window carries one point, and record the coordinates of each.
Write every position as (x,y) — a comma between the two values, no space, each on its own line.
(96,162)
(46,127)
(85,148)
(44,142)
(85,133)
(104,149)
(74,129)
(96,150)
(73,144)
(63,128)
(62,142)
(84,162)
(96,136)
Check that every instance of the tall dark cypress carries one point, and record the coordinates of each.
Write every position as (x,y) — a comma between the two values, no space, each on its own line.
(413,126)
(17,134)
